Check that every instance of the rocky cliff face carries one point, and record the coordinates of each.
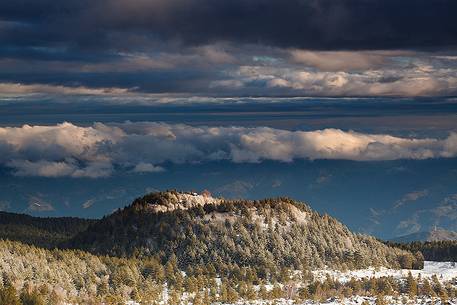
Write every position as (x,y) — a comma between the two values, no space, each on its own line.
(180,201)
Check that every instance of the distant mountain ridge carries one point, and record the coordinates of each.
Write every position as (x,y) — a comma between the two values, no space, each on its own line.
(267,235)
(432,235)
(47,232)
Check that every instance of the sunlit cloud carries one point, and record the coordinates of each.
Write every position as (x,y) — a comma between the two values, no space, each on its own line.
(98,150)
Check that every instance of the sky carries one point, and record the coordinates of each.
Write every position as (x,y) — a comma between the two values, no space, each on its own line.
(348,105)
(229,47)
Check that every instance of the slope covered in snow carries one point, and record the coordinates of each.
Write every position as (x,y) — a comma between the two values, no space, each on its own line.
(445,271)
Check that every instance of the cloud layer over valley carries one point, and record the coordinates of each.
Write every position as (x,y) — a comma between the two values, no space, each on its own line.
(101,149)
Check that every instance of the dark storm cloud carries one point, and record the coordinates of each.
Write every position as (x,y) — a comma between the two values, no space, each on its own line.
(178,81)
(54,54)
(230,47)
(310,24)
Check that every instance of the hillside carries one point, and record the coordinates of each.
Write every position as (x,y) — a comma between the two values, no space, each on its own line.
(185,248)
(58,277)
(43,232)
(440,250)
(267,235)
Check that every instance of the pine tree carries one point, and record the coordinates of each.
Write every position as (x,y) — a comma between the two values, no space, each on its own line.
(8,296)
(250,293)
(411,285)
(54,298)
(426,289)
(443,296)
(303,293)
(174,297)
(438,288)
(318,293)
(355,285)
(197,300)
(232,295)
(276,292)
(263,293)
(206,298)
(406,261)
(32,298)
(419,261)
(380,300)
(223,292)
(373,286)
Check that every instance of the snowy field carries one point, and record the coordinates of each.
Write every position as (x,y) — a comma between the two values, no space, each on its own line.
(445,271)
(352,301)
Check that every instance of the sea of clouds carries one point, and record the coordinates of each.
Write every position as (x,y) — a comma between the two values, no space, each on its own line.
(101,149)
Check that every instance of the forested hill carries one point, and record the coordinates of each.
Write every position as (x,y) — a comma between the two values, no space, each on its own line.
(267,235)
(43,232)
(440,250)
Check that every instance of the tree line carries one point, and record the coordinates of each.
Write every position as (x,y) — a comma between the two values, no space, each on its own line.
(440,251)
(36,276)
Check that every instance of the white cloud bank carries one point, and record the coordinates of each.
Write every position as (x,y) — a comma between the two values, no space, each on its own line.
(96,151)
(223,69)
(419,80)
(345,60)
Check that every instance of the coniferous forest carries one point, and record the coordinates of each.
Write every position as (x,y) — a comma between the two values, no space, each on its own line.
(440,250)
(350,104)
(200,250)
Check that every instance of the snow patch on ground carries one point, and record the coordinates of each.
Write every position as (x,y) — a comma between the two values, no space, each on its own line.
(445,271)
(357,300)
